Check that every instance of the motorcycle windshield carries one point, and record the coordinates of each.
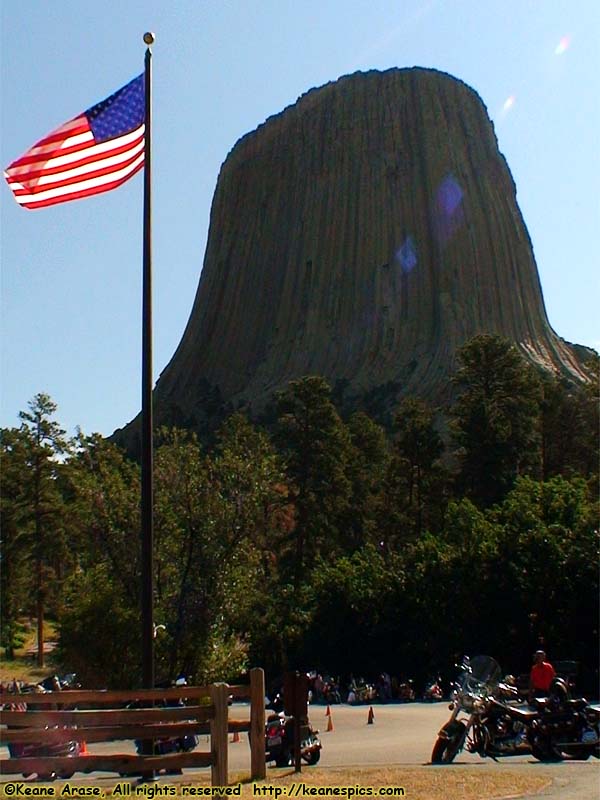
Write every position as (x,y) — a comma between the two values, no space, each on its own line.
(484,674)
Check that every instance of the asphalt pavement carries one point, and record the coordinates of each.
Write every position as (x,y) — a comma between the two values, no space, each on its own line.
(401,734)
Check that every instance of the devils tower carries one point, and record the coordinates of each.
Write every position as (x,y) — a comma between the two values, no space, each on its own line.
(363,234)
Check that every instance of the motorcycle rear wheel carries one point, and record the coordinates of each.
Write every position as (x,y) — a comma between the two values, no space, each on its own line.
(284,759)
(313,758)
(543,750)
(445,749)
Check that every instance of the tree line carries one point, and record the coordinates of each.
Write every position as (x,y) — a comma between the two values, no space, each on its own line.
(324,542)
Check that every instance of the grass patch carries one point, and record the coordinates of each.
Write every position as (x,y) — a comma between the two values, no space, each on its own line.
(24,666)
(419,783)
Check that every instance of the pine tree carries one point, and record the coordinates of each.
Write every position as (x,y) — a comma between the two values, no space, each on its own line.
(42,441)
(496,418)
(317,447)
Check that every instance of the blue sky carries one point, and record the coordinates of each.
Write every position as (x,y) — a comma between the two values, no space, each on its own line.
(71,274)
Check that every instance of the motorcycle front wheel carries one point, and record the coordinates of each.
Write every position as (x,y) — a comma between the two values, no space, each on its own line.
(446,747)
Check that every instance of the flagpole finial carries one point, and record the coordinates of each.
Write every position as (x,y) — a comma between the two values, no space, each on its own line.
(149,38)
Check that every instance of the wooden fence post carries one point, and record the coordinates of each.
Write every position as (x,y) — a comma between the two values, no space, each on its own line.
(219,727)
(258,767)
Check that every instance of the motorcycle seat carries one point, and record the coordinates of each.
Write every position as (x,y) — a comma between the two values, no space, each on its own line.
(525,714)
(567,707)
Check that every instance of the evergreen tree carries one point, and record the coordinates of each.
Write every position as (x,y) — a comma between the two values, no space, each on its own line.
(42,441)
(105,510)
(100,620)
(415,469)
(570,425)
(16,537)
(496,418)
(317,448)
(366,469)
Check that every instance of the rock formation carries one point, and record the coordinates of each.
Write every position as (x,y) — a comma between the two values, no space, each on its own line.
(364,234)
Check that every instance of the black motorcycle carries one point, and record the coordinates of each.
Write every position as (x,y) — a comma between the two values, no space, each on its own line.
(25,701)
(279,741)
(484,721)
(171,744)
(565,727)
(59,683)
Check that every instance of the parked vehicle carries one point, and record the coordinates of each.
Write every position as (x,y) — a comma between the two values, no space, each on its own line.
(565,727)
(406,691)
(25,701)
(59,683)
(172,744)
(480,721)
(433,691)
(361,692)
(331,691)
(279,741)
(484,721)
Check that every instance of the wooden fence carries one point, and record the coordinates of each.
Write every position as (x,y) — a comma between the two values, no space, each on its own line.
(102,716)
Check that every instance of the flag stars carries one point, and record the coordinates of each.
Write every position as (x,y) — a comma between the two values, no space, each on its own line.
(91,153)
(119,113)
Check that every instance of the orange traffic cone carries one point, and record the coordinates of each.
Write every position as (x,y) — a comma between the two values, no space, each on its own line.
(235,737)
(330,723)
(328,712)
(83,751)
(371,718)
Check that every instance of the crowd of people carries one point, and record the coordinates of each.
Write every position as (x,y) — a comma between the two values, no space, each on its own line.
(385,689)
(324,688)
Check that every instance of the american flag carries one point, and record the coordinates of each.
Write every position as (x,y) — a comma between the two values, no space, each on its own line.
(92,153)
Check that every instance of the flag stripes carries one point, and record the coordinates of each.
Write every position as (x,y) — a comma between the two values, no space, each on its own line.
(92,153)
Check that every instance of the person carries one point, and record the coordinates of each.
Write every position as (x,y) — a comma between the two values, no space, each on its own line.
(541,676)
(319,687)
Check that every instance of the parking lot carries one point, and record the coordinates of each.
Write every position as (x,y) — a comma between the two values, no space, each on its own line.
(400,735)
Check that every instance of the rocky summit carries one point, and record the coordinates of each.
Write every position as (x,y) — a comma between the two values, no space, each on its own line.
(363,234)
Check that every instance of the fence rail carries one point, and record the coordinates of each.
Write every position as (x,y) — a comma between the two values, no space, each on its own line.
(54,718)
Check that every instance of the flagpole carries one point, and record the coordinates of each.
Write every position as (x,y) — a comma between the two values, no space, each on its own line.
(147,501)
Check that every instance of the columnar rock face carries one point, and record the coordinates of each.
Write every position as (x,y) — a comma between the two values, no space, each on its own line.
(363,234)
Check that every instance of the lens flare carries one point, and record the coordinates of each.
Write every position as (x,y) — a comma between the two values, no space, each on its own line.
(562,46)
(449,196)
(508,103)
(407,255)
(449,214)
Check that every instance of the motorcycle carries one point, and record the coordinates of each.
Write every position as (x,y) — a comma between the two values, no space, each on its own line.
(480,721)
(565,727)
(361,692)
(279,741)
(406,692)
(433,691)
(331,692)
(483,721)
(24,701)
(56,683)
(172,744)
